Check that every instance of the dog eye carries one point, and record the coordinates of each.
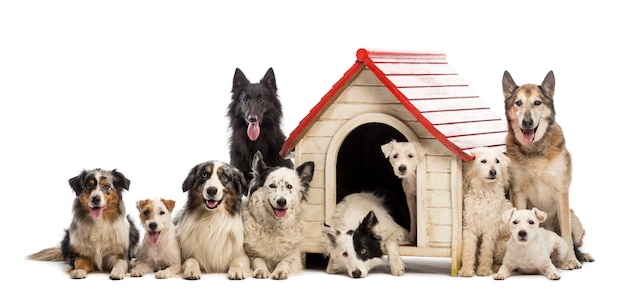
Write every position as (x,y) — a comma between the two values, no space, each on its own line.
(531,222)
(537,103)
(345,254)
(246,98)
(483,161)
(518,103)
(162,212)
(395,156)
(289,187)
(106,187)
(146,212)
(410,155)
(363,251)
(497,161)
(515,222)
(204,175)
(272,186)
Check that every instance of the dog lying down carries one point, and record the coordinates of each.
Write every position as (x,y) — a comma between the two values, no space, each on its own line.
(531,248)
(360,233)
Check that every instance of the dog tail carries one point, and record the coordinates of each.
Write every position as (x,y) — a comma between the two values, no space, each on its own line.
(49,254)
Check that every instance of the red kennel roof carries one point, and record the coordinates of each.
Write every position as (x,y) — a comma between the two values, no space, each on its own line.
(431,91)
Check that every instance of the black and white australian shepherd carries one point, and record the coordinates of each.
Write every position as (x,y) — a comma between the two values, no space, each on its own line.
(209,226)
(101,236)
(255,114)
(272,218)
(360,232)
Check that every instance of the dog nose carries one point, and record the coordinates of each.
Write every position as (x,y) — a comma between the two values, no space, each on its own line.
(96,200)
(253,118)
(152,226)
(356,273)
(522,234)
(402,168)
(527,123)
(211,191)
(492,172)
(281,202)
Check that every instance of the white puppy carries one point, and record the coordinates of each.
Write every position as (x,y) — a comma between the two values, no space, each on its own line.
(404,157)
(531,248)
(159,250)
(485,183)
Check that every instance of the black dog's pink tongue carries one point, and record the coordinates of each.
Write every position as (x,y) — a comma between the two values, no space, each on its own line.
(253,131)
(529,135)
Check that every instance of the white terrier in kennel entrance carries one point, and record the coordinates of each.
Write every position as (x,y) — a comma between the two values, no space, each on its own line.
(404,157)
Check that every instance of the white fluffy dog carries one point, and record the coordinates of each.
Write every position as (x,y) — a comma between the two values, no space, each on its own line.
(404,157)
(360,233)
(485,183)
(531,248)
(159,250)
(272,218)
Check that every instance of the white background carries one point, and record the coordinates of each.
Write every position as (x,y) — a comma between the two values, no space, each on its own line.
(143,86)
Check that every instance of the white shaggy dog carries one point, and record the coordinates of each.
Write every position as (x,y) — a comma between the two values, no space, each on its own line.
(360,233)
(531,248)
(159,250)
(485,183)
(272,218)
(404,157)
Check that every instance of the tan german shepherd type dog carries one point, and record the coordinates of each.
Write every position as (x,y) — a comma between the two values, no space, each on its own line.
(541,165)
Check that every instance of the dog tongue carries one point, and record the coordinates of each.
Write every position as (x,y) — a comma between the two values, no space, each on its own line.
(253,131)
(280,212)
(96,211)
(153,236)
(211,204)
(529,135)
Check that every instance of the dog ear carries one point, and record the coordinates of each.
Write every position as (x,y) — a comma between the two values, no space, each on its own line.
(76,182)
(239,181)
(548,84)
(508,85)
(507,214)
(305,172)
(239,80)
(258,165)
(120,181)
(541,216)
(369,223)
(269,80)
(329,233)
(169,204)
(421,151)
(140,204)
(190,179)
(386,148)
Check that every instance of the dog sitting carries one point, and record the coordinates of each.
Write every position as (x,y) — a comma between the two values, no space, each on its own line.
(360,233)
(531,248)
(255,114)
(159,251)
(404,157)
(209,227)
(272,218)
(485,184)
(541,165)
(101,236)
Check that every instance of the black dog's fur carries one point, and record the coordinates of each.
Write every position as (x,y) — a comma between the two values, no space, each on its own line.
(255,103)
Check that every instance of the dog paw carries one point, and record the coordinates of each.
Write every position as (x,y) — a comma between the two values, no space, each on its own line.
(585,257)
(571,264)
(236,274)
(191,275)
(117,275)
(464,272)
(553,276)
(261,273)
(397,270)
(162,274)
(484,271)
(136,273)
(78,274)
(499,276)
(280,274)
